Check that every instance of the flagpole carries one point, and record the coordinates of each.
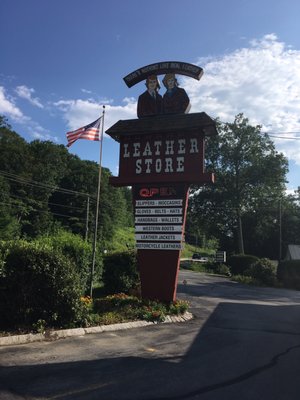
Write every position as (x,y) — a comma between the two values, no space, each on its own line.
(97,207)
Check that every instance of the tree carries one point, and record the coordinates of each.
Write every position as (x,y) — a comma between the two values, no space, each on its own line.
(43,186)
(250,175)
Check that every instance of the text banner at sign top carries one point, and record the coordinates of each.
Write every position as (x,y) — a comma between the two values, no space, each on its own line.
(164,67)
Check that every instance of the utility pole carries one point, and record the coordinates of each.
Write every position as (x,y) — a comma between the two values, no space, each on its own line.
(280,230)
(240,232)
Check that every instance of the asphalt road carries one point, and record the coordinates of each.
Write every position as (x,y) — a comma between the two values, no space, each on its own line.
(244,343)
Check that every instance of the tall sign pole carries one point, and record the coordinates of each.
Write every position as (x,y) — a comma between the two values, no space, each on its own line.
(97,207)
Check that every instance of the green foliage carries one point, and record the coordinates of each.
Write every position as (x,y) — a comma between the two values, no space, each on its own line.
(221,269)
(120,272)
(122,240)
(246,280)
(263,271)
(189,250)
(121,307)
(250,176)
(288,272)
(208,267)
(178,307)
(39,286)
(5,247)
(78,251)
(193,266)
(239,263)
(31,202)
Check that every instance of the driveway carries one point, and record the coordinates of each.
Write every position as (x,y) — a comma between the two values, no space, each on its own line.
(244,343)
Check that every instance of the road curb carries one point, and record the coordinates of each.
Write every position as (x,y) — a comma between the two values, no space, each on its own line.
(65,333)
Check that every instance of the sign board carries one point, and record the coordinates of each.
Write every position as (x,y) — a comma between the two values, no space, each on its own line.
(172,153)
(160,156)
(221,256)
(159,214)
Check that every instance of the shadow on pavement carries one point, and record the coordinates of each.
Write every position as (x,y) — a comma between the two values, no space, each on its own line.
(231,290)
(243,351)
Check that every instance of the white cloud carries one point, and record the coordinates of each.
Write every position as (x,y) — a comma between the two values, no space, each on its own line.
(26,93)
(86,91)
(8,107)
(262,81)
(79,112)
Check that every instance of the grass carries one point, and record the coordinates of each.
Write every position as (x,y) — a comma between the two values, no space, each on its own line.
(210,267)
(189,250)
(122,241)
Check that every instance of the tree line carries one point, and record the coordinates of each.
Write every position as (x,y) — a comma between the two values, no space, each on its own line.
(246,210)
(43,187)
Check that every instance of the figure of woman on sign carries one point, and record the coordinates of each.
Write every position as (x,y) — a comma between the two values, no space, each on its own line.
(150,102)
(175,100)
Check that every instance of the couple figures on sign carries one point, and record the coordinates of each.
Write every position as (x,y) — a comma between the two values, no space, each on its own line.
(174,101)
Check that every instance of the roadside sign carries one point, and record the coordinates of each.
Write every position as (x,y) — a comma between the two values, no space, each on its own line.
(221,256)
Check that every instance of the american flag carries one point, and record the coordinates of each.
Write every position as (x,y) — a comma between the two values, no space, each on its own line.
(89,132)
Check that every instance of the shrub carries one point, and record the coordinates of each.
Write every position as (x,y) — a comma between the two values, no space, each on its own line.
(178,307)
(239,263)
(221,269)
(246,280)
(263,271)
(39,284)
(288,272)
(78,251)
(120,272)
(5,247)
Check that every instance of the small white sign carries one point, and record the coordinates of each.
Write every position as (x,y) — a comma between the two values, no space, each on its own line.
(158,211)
(167,236)
(159,246)
(160,203)
(158,220)
(158,228)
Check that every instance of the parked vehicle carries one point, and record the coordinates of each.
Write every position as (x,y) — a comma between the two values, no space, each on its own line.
(197,257)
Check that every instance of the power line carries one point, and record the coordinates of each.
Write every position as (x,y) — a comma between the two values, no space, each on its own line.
(42,211)
(270,133)
(19,179)
(46,203)
(282,137)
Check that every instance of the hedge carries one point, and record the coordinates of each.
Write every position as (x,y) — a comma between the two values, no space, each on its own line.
(239,263)
(38,283)
(288,272)
(120,272)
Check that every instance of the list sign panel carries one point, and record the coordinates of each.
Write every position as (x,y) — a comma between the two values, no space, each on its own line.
(159,215)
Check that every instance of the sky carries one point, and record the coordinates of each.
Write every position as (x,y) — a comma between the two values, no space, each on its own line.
(62,60)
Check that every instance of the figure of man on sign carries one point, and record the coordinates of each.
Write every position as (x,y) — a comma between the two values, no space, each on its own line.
(175,100)
(150,102)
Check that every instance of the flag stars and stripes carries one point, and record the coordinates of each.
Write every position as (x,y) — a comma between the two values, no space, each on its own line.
(88,132)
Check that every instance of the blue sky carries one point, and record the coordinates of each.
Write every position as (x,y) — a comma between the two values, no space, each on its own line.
(61,60)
